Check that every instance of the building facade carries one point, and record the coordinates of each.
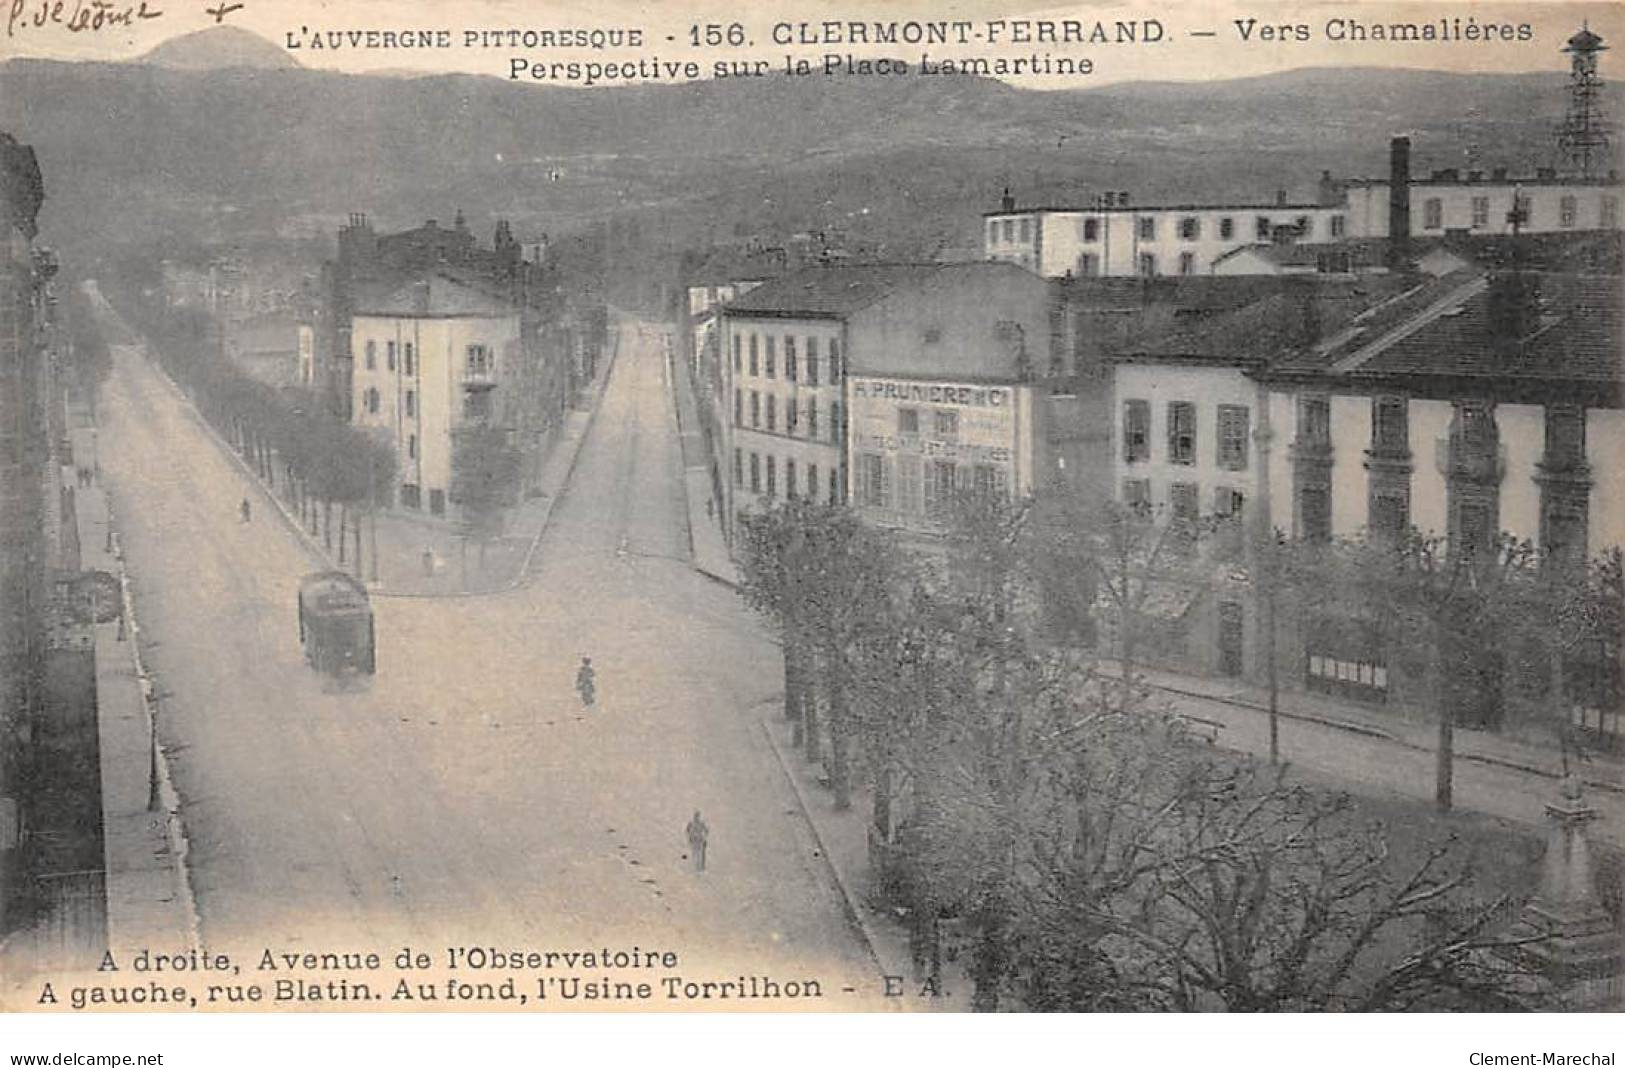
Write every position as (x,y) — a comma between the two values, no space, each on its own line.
(1118,239)
(430,358)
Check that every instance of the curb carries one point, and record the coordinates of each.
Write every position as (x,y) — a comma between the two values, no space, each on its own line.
(854,917)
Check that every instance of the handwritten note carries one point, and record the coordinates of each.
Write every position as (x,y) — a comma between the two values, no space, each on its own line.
(75,16)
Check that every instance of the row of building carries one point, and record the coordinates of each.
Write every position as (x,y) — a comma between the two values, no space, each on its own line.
(1432,378)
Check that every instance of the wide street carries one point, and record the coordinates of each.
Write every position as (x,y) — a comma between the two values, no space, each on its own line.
(463,797)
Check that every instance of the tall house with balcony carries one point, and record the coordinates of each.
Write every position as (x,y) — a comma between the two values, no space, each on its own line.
(432,356)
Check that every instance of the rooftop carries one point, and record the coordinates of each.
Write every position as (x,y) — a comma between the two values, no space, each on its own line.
(836,292)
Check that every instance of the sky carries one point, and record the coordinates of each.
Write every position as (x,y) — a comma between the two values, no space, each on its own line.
(1318,34)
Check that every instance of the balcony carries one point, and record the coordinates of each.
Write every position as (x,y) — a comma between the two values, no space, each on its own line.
(479,378)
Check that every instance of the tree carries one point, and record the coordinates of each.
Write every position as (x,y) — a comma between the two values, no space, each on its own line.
(485,470)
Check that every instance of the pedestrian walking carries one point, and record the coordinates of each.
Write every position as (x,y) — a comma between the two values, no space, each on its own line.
(710,508)
(428,562)
(698,835)
(247,512)
(586,680)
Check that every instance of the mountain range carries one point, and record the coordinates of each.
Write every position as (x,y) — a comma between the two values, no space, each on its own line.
(249,146)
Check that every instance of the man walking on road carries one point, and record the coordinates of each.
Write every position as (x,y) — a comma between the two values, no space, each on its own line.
(698,835)
(245,510)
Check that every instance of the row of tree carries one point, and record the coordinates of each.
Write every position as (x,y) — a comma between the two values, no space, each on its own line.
(1027,789)
(288,435)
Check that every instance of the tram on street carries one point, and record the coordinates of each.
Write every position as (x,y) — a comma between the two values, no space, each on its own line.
(335,624)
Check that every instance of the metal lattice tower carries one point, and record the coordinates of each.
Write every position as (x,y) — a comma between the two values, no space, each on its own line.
(1583,137)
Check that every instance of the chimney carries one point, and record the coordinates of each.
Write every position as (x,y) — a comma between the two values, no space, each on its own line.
(1498,174)
(1280,197)
(1546,174)
(1399,203)
(1329,193)
(1122,199)
(1475,176)
(1007,202)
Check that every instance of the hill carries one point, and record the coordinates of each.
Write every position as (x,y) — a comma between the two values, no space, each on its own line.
(219,48)
(137,151)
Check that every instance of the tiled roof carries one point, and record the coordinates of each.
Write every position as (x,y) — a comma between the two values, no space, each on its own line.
(436,295)
(834,292)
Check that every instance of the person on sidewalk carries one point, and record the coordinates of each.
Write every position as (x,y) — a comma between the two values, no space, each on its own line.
(698,835)
(247,512)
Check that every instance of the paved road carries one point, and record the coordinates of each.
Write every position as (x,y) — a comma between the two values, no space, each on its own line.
(463,796)
(1378,766)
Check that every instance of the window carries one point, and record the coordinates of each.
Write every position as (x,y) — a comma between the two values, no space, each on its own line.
(772,477)
(992,231)
(1475,528)
(1566,211)
(772,412)
(739,467)
(1262,227)
(945,425)
(1190,228)
(755,473)
(1340,226)
(478,361)
(1390,516)
(1091,230)
(987,481)
(739,406)
(411,403)
(477,405)
(1009,231)
(408,364)
(871,480)
(1147,227)
(389,355)
(1524,209)
(1233,426)
(1181,432)
(1148,265)
(372,355)
(772,355)
(1304,225)
(1088,265)
(1136,431)
(908,420)
(411,495)
(1185,509)
(836,493)
(1227,228)
(836,430)
(910,488)
(755,408)
(755,367)
(812,361)
(1390,425)
(834,361)
(1432,214)
(1610,213)
(812,417)
(738,365)
(1481,212)
(1565,438)
(1227,502)
(812,482)
(1315,512)
(790,414)
(371,401)
(412,446)
(790,480)
(790,358)
(1026,231)
(1314,421)
(1137,493)
(1187,263)
(437,502)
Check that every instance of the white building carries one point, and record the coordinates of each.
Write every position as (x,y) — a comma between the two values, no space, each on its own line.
(429,357)
(1476,202)
(1117,239)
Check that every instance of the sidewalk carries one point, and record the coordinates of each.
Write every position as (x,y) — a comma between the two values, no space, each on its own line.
(707,546)
(843,839)
(1599,770)
(148,897)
